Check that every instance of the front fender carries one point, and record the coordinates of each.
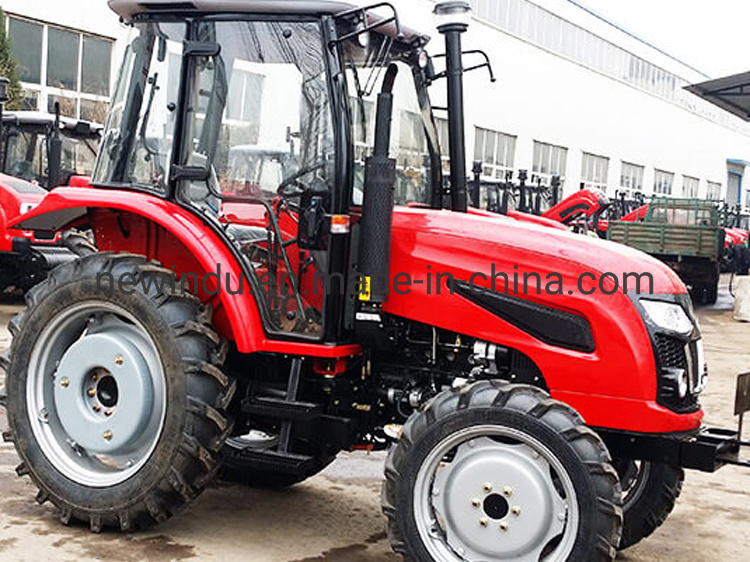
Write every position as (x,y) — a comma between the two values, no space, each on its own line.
(237,315)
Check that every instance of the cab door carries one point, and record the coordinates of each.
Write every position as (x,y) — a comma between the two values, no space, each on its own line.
(257,100)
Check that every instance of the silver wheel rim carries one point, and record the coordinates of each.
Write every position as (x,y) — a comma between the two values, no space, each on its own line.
(495,493)
(96,393)
(634,487)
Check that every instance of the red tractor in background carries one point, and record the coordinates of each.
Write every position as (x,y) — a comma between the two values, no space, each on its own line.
(39,151)
(346,309)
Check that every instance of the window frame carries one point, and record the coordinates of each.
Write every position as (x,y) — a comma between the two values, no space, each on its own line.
(45,93)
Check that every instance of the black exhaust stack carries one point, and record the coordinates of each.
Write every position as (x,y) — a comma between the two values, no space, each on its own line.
(54,152)
(4,98)
(452,21)
(377,205)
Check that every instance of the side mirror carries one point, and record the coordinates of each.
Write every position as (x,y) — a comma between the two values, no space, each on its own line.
(4,89)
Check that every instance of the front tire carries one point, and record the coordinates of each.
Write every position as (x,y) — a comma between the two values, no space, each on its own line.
(650,490)
(116,401)
(500,471)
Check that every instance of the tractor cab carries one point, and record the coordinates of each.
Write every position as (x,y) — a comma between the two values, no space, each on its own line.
(263,125)
(30,152)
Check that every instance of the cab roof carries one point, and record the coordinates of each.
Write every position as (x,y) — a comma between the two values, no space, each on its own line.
(128,9)
(41,119)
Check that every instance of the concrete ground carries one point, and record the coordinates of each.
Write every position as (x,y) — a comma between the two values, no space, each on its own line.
(335,517)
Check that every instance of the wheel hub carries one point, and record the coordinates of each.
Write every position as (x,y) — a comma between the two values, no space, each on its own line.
(104,396)
(497,500)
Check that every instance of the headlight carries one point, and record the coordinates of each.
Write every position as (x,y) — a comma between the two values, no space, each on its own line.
(668,316)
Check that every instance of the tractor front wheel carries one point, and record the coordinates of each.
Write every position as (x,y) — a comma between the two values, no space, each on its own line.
(116,400)
(496,471)
(649,491)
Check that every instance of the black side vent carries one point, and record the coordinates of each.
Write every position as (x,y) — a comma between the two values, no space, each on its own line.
(550,325)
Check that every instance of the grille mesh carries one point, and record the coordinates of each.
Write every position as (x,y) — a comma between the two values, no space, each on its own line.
(671,354)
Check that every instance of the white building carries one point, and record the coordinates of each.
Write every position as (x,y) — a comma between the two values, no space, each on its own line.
(67,52)
(576,96)
(579,97)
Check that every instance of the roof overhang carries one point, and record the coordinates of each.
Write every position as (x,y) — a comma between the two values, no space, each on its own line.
(731,94)
(129,9)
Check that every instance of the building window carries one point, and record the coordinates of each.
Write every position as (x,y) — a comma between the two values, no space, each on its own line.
(74,69)
(549,160)
(95,70)
(714,191)
(631,178)
(548,30)
(27,49)
(62,59)
(496,151)
(30,100)
(595,171)
(690,187)
(444,142)
(68,105)
(663,182)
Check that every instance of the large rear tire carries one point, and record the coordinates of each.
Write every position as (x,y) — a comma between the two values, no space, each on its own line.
(116,399)
(650,490)
(500,471)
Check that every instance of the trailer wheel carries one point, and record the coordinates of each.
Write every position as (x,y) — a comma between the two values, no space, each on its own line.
(116,399)
(496,471)
(649,491)
(708,294)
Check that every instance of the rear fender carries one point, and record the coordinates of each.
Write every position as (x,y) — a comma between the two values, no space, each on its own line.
(126,221)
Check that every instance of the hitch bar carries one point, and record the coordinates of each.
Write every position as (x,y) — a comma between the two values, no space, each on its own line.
(707,449)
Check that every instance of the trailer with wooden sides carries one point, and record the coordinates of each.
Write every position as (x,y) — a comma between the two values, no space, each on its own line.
(685,234)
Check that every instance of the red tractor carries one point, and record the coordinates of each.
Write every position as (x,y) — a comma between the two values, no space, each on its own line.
(39,151)
(269,331)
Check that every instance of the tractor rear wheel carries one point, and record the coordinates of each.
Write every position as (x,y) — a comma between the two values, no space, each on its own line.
(500,471)
(116,400)
(649,491)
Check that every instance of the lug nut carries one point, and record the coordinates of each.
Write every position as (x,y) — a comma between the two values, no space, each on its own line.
(119,360)
(94,377)
(92,392)
(503,527)
(507,491)
(65,383)
(487,488)
(107,435)
(97,408)
(108,413)
(484,522)
(515,510)
(476,503)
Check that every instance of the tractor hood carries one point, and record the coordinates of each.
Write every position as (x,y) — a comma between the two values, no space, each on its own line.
(474,242)
(18,196)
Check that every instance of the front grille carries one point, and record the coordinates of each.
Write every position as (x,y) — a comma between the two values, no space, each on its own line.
(672,353)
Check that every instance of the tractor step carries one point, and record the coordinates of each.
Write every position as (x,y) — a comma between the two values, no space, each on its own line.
(282,409)
(275,461)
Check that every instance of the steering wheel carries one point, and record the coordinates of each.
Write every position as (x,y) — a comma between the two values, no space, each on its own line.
(292,186)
